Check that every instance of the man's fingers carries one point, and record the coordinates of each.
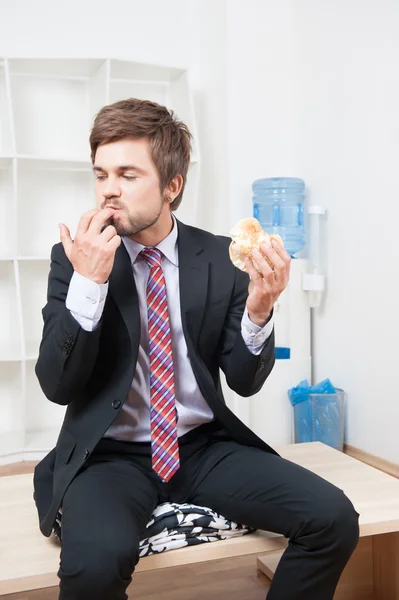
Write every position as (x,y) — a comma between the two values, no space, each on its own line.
(108,233)
(252,272)
(274,257)
(283,274)
(281,267)
(65,237)
(85,220)
(98,220)
(115,242)
(282,252)
(266,271)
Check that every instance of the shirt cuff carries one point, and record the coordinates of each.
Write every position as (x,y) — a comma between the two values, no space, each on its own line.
(85,300)
(253,335)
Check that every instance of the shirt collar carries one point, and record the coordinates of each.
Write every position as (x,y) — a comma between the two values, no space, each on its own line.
(168,246)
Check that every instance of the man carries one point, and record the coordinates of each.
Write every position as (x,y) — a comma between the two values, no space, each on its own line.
(142,312)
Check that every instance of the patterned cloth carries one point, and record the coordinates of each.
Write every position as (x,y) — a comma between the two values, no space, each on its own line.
(163,418)
(177,525)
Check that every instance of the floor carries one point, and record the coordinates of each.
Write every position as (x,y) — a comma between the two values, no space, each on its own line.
(234,578)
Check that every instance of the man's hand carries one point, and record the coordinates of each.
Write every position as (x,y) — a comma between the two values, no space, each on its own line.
(266,286)
(92,252)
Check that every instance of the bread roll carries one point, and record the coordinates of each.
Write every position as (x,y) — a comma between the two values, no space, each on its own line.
(246,235)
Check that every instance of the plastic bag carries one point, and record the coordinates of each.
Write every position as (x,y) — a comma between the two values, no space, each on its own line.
(318,413)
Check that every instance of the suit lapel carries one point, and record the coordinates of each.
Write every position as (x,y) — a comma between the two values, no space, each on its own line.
(123,290)
(193,280)
(193,284)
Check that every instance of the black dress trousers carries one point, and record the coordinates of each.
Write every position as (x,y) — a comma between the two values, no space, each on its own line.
(107,506)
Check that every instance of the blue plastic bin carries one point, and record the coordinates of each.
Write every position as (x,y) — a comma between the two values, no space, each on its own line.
(321,418)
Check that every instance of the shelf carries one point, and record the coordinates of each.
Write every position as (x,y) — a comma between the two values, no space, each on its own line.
(124,69)
(43,418)
(47,107)
(47,197)
(12,420)
(69,163)
(33,282)
(164,85)
(11,354)
(63,98)
(56,68)
(10,333)
(58,163)
(5,120)
(32,349)
(20,258)
(121,89)
(5,163)
(7,209)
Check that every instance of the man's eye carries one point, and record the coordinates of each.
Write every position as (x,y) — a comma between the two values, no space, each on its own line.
(100,177)
(129,177)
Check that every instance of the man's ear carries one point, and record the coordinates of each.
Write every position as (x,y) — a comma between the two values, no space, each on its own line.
(173,189)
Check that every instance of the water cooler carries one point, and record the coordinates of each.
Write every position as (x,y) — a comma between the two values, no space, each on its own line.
(269,412)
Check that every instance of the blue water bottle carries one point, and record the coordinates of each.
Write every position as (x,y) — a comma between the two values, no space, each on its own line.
(278,204)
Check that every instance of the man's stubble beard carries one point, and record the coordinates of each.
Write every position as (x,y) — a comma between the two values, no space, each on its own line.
(133,226)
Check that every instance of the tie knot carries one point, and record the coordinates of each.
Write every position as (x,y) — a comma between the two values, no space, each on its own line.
(152,257)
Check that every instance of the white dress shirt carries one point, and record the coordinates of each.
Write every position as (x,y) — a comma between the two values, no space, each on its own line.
(85,300)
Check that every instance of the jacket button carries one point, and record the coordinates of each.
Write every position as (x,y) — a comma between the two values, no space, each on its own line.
(261,365)
(86,455)
(116,404)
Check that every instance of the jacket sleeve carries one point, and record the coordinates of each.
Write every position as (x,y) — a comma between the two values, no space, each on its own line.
(67,353)
(245,372)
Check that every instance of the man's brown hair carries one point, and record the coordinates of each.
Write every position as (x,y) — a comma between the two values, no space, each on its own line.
(169,138)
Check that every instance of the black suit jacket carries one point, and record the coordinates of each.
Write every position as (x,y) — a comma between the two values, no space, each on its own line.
(91,372)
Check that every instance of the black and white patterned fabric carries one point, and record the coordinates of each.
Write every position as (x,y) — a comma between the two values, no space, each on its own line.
(177,525)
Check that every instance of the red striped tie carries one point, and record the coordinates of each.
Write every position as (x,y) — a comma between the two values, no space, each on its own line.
(163,413)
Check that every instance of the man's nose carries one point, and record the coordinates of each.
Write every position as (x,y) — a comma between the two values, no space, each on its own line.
(111,188)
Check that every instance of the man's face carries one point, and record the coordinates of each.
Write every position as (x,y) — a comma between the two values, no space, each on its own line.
(127,179)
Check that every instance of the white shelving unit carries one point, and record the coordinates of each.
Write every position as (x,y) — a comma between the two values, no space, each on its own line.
(47,108)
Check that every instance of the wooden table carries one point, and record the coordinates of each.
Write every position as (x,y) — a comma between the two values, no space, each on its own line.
(373,571)
(29,561)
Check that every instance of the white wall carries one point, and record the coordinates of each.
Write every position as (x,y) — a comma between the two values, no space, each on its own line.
(259,90)
(295,87)
(347,149)
(152,30)
(313,90)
